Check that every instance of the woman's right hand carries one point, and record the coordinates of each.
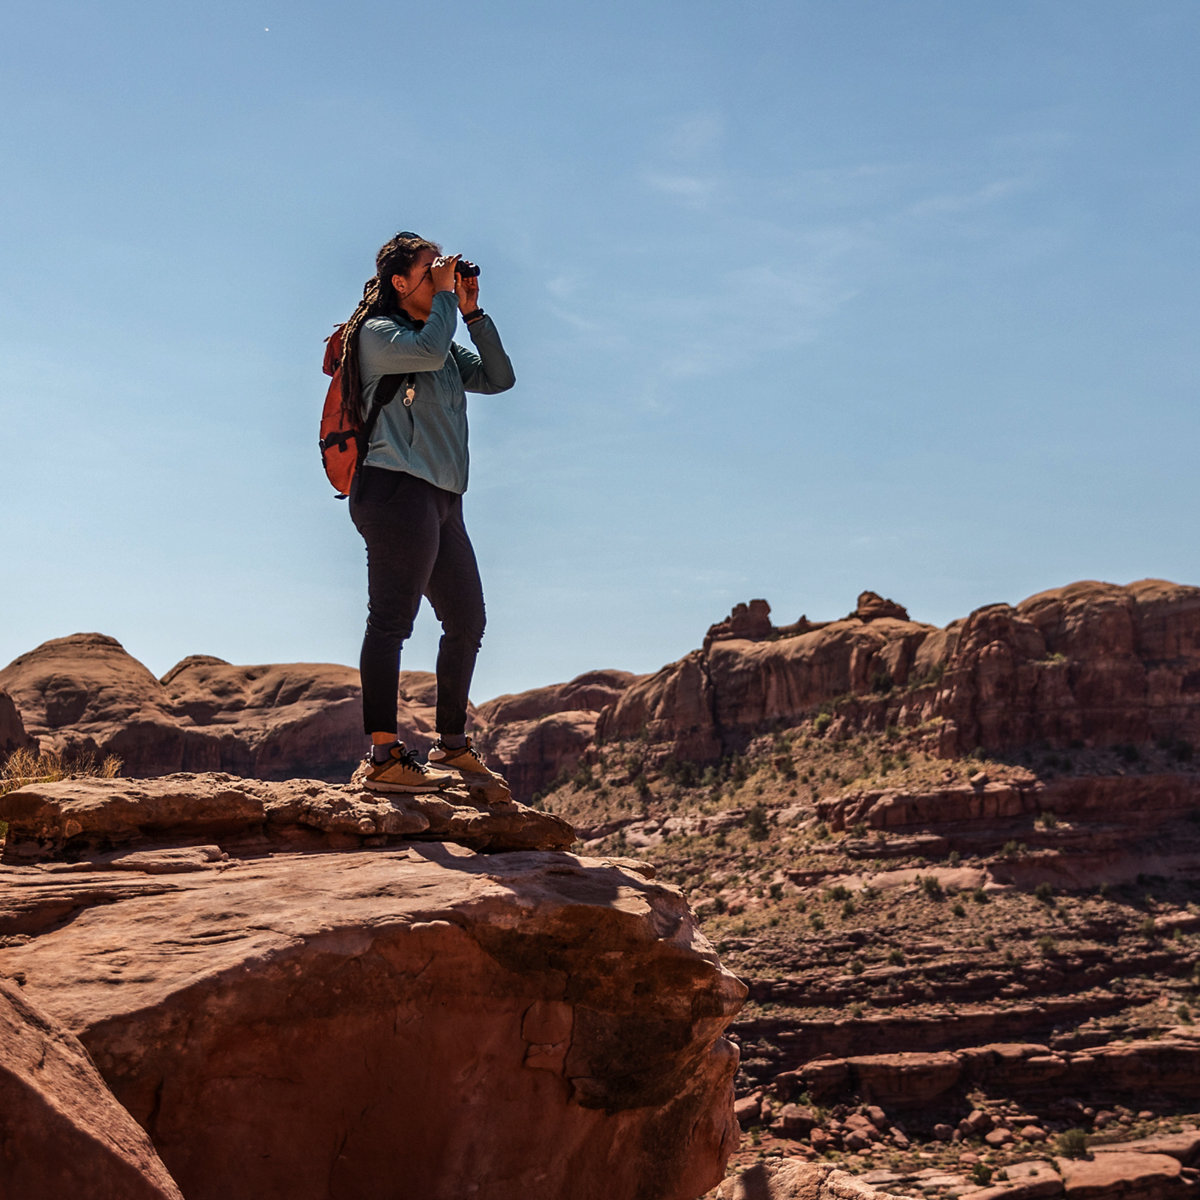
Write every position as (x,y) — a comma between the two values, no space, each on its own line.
(442,272)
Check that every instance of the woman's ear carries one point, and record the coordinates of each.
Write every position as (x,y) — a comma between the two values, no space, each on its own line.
(399,284)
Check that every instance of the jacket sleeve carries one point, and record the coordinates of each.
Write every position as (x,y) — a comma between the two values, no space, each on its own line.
(489,371)
(389,348)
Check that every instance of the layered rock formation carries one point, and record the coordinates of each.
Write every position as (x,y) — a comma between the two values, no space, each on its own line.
(338,1025)
(1087,664)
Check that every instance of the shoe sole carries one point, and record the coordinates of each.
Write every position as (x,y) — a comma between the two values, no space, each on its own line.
(408,788)
(478,777)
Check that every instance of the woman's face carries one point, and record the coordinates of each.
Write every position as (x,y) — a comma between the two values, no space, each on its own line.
(415,287)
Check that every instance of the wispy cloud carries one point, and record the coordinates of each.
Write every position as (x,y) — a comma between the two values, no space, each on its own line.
(953,203)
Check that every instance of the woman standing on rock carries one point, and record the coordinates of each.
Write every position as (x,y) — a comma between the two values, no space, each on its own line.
(406,498)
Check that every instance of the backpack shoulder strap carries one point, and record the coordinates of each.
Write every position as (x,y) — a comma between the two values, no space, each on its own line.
(385,393)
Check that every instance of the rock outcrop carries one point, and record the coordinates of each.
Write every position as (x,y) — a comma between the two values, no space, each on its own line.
(339,1025)
(85,816)
(712,702)
(12,729)
(62,1132)
(1090,664)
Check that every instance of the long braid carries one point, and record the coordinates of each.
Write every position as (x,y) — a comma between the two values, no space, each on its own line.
(379,299)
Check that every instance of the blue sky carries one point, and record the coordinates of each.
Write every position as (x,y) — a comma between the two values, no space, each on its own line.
(804,298)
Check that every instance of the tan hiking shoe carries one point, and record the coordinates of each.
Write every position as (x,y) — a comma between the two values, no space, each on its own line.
(403,773)
(470,769)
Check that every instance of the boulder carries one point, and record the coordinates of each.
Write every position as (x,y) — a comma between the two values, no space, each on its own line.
(1117,1176)
(62,1132)
(329,1026)
(791,1179)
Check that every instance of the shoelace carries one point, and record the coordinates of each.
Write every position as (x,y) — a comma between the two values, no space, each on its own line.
(467,749)
(409,759)
(405,755)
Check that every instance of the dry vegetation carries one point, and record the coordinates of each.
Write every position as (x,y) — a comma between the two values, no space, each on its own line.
(26,766)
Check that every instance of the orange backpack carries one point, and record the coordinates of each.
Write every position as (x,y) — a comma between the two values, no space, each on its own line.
(344,440)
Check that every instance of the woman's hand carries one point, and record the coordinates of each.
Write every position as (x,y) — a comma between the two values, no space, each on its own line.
(466,288)
(441,271)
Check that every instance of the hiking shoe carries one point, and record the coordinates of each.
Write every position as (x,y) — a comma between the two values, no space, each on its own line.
(403,773)
(469,766)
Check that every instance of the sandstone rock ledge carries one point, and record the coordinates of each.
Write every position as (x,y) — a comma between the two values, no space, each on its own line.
(77,817)
(410,1020)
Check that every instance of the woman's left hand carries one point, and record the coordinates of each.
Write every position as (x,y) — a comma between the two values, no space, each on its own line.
(467,289)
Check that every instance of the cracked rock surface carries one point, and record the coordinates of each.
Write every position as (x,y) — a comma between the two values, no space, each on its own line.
(413,1019)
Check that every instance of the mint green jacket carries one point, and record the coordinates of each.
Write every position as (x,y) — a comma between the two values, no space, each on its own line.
(428,436)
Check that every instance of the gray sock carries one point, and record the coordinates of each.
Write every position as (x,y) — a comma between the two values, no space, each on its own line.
(380,754)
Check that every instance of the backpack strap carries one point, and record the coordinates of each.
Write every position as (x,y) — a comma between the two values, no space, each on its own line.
(385,393)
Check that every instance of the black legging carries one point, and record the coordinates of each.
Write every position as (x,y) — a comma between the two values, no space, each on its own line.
(417,546)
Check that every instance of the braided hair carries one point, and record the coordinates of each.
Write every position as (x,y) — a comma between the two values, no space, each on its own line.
(395,257)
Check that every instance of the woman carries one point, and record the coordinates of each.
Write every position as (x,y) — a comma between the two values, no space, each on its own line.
(406,498)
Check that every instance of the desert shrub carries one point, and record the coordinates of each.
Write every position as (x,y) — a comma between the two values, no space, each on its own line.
(958,909)
(838,892)
(822,723)
(817,921)
(25,766)
(1046,945)
(896,956)
(1072,1144)
(1044,892)
(776,891)
(856,966)
(1048,820)
(980,896)
(981,1174)
(848,909)
(756,824)
(931,887)
(933,675)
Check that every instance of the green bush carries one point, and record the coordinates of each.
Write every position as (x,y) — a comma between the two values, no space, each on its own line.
(756,824)
(1072,1144)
